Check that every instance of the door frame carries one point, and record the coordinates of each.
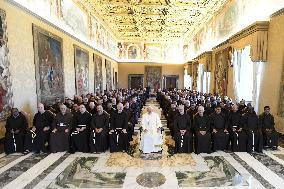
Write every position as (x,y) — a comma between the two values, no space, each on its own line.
(170,76)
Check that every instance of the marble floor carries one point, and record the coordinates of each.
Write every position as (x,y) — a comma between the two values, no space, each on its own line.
(133,170)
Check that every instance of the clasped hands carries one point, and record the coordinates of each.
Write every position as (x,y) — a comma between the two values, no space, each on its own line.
(55,130)
(158,130)
(98,130)
(215,131)
(123,130)
(15,131)
(44,129)
(182,132)
(239,130)
(80,129)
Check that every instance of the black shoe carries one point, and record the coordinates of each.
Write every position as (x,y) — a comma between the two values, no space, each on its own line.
(37,152)
(26,152)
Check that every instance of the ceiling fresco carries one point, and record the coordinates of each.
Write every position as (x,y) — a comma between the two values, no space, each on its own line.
(154,20)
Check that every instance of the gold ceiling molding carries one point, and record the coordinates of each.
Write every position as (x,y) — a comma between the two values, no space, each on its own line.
(154,20)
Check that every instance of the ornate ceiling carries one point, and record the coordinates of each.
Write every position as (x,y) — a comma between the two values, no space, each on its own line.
(154,20)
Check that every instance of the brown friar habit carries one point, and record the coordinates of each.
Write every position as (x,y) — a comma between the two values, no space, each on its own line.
(184,143)
(80,139)
(270,135)
(99,141)
(36,141)
(118,139)
(253,130)
(238,137)
(59,141)
(220,139)
(202,142)
(16,128)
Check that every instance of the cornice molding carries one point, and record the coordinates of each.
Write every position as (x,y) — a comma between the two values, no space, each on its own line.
(205,54)
(277,13)
(255,27)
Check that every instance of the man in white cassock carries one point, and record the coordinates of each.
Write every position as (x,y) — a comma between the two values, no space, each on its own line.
(151,137)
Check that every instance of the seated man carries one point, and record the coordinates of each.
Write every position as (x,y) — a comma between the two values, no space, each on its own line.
(59,137)
(99,131)
(254,134)
(118,134)
(38,136)
(151,137)
(16,127)
(183,134)
(81,127)
(237,134)
(270,135)
(220,133)
(202,134)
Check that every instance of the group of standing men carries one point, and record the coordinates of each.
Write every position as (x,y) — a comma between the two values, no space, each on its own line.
(90,124)
(206,123)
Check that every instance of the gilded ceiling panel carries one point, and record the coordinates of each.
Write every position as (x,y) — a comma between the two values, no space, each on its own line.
(154,20)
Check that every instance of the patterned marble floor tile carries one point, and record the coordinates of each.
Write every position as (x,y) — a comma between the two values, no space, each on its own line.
(270,176)
(78,174)
(19,168)
(256,175)
(221,173)
(271,164)
(8,159)
(46,172)
(281,156)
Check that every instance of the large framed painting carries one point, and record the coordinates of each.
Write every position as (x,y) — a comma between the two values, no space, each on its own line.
(153,77)
(98,73)
(108,75)
(49,65)
(6,94)
(81,70)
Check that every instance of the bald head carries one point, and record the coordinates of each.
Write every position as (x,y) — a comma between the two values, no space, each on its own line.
(200,110)
(40,108)
(63,108)
(119,107)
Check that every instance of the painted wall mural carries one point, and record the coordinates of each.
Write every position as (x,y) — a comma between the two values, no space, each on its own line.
(75,17)
(81,70)
(47,8)
(164,52)
(6,94)
(226,21)
(49,66)
(235,16)
(98,73)
(101,38)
